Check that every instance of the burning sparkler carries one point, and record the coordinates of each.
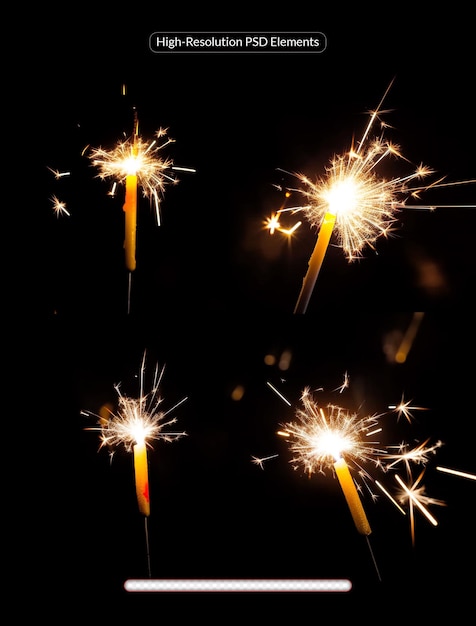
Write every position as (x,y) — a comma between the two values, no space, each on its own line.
(325,438)
(337,439)
(322,439)
(353,201)
(138,164)
(137,422)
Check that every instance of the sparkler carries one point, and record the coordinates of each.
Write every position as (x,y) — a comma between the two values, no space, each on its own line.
(334,437)
(137,422)
(322,438)
(130,204)
(353,201)
(137,164)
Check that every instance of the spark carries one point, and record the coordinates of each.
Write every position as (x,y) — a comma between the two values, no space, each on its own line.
(143,159)
(405,408)
(415,495)
(319,436)
(59,207)
(112,191)
(57,174)
(382,488)
(344,385)
(322,437)
(137,420)
(456,472)
(419,455)
(273,224)
(259,461)
(278,393)
(364,203)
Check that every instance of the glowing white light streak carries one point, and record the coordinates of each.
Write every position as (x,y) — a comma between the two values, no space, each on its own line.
(391,498)
(234,585)
(456,472)
(278,393)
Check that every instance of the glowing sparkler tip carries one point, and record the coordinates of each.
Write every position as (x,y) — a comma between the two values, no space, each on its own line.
(137,421)
(366,204)
(322,435)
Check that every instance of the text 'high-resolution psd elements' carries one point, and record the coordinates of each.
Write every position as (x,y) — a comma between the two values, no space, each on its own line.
(175,42)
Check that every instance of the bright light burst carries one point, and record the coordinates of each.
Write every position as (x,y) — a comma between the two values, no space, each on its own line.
(134,156)
(137,420)
(321,436)
(365,203)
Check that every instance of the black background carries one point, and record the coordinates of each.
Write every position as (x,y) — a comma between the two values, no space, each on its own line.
(213,293)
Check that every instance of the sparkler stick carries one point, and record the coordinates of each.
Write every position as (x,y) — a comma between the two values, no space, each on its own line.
(352,497)
(321,436)
(315,262)
(142,478)
(130,204)
(136,422)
